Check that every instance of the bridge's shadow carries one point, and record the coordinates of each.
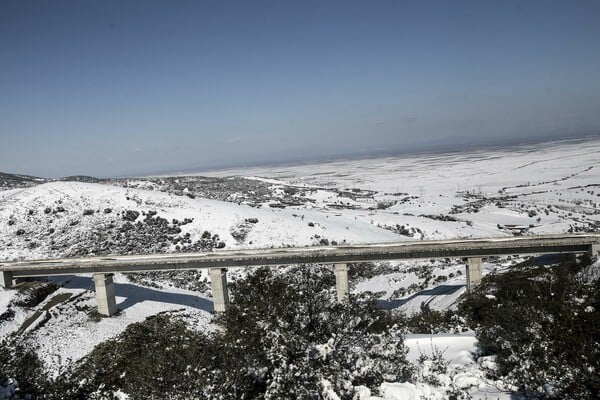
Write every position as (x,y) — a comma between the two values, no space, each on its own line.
(135,294)
(549,259)
(436,291)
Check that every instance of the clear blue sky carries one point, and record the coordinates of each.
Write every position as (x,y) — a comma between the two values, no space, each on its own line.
(129,87)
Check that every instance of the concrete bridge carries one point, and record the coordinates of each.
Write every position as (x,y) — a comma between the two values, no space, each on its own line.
(217,262)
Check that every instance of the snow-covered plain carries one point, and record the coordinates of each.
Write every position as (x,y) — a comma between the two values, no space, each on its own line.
(502,185)
(548,188)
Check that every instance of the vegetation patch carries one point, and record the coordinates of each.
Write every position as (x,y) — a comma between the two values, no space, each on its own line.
(543,325)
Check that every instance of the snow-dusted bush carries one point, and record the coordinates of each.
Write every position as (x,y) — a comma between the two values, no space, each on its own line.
(544,326)
(285,336)
(21,371)
(30,294)
(433,321)
(153,359)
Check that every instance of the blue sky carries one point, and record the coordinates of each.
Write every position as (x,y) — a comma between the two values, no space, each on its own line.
(130,87)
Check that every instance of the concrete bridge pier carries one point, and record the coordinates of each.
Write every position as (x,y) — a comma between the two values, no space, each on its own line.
(594,250)
(474,272)
(6,279)
(105,294)
(341,282)
(218,285)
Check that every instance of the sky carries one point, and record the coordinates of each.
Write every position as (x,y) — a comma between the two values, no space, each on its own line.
(116,88)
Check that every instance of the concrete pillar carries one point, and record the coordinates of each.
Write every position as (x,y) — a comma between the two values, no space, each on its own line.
(474,272)
(6,280)
(341,282)
(218,285)
(594,250)
(105,294)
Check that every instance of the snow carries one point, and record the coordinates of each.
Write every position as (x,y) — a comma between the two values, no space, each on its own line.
(558,173)
(275,228)
(479,190)
(463,371)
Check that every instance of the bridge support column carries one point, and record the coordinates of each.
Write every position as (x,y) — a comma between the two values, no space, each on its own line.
(218,285)
(6,279)
(105,294)
(594,250)
(341,282)
(474,272)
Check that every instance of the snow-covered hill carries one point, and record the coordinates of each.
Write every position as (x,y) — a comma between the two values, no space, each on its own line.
(75,218)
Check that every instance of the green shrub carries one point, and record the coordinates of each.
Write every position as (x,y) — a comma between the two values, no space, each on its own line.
(153,359)
(544,326)
(20,362)
(285,336)
(432,321)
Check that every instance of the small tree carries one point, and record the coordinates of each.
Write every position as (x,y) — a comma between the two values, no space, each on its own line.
(285,336)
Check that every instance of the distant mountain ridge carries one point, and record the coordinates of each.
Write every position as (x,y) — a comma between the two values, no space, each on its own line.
(13,181)
(80,178)
(16,181)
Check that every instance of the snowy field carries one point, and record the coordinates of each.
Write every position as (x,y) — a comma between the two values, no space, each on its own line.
(552,188)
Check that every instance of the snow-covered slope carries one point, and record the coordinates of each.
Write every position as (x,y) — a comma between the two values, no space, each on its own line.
(72,218)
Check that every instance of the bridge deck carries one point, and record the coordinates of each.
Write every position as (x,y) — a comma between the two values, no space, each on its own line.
(482,247)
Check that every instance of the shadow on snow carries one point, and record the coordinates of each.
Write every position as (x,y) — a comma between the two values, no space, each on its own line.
(436,291)
(135,294)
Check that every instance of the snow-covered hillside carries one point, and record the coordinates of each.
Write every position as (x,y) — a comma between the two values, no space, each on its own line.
(74,218)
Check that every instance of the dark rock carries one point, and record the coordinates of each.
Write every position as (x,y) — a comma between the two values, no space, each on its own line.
(107,210)
(88,212)
(20,232)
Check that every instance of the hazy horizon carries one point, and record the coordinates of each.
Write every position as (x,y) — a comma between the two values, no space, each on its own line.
(381,154)
(473,148)
(120,88)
